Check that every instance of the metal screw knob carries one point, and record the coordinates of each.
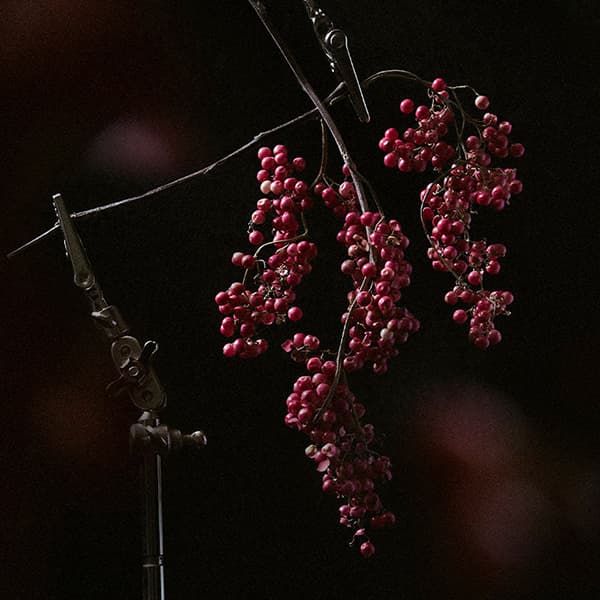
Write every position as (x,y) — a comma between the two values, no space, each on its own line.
(197,439)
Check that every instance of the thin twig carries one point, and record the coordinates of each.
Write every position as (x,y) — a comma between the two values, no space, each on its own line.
(394,74)
(339,93)
(324,156)
(94,212)
(339,359)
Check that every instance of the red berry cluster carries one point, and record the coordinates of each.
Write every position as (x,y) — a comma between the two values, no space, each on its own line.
(423,144)
(379,271)
(492,141)
(340,200)
(485,306)
(327,411)
(285,195)
(374,323)
(449,204)
(270,297)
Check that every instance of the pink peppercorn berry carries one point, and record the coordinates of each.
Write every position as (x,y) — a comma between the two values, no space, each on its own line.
(407,106)
(482,102)
(438,84)
(367,549)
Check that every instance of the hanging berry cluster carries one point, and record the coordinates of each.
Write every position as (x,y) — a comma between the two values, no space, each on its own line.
(266,295)
(451,201)
(379,271)
(375,322)
(342,446)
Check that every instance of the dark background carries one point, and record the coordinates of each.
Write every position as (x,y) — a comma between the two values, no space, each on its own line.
(497,474)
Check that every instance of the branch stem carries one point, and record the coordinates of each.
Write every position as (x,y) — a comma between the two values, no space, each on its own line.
(319,105)
(335,96)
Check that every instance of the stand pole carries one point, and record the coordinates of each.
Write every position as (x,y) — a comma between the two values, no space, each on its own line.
(153,569)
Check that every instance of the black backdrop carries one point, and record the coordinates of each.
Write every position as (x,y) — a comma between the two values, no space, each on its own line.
(497,483)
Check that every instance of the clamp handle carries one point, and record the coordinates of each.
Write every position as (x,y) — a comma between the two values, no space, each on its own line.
(137,377)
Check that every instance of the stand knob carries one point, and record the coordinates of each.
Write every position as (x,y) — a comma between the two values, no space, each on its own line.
(195,440)
(162,439)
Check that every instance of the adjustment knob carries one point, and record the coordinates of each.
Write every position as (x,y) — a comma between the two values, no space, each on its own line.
(195,440)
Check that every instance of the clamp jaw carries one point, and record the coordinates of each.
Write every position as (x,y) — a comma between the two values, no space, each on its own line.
(334,43)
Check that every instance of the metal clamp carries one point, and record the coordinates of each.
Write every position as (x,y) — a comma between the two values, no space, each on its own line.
(334,43)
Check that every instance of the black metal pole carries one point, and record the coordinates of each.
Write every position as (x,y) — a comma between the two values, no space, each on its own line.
(153,569)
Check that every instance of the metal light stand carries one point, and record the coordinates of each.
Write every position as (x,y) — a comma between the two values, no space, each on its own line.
(148,438)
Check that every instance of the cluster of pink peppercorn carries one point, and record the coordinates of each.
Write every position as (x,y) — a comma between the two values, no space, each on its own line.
(375,322)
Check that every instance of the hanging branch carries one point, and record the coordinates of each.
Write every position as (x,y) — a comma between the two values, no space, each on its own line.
(375,322)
